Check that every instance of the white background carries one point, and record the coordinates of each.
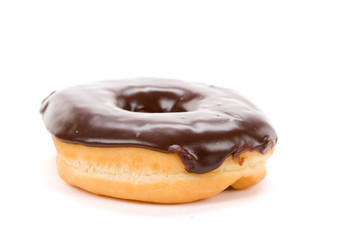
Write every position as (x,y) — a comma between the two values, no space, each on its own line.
(299,61)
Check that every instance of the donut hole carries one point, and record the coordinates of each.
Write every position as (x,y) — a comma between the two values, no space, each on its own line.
(151,100)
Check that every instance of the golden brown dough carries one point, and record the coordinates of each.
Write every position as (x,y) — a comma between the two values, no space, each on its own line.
(146,175)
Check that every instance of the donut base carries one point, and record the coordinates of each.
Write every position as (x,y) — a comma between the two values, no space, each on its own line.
(146,175)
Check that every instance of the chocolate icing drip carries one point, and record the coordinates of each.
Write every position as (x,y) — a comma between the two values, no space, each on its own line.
(202,124)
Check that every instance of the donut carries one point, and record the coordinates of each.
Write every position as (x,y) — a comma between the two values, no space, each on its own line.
(157,140)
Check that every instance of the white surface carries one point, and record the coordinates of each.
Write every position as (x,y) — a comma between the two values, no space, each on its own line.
(297,60)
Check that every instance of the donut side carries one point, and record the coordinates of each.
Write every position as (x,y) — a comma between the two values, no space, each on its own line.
(146,175)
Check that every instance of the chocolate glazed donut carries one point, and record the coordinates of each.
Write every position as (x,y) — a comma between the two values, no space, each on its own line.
(202,124)
(157,140)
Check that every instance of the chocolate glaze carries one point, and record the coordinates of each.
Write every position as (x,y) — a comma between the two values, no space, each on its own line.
(202,124)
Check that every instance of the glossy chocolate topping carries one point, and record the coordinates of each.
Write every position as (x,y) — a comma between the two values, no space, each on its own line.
(202,124)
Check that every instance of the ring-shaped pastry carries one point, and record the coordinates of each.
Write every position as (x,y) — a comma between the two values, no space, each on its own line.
(157,140)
